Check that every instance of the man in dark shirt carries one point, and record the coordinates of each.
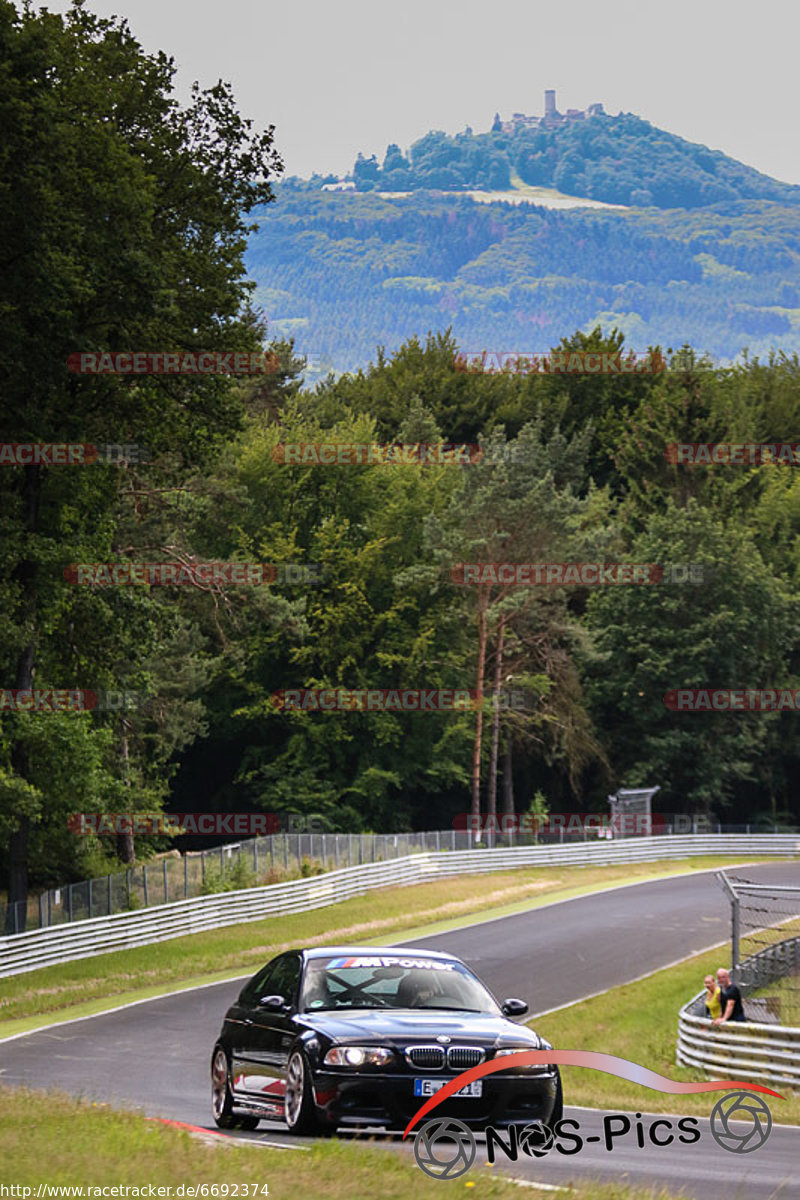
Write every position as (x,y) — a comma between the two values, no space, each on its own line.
(730,998)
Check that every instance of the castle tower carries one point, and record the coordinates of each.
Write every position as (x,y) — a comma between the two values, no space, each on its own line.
(550,102)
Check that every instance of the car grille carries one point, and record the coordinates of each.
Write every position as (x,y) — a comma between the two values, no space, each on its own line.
(433,1058)
(461,1057)
(428,1057)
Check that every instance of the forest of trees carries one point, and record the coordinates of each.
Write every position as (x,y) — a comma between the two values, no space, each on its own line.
(619,160)
(344,273)
(587,480)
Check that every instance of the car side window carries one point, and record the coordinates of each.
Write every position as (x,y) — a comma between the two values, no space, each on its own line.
(259,985)
(286,979)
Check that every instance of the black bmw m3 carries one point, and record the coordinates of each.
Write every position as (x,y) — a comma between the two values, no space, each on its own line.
(359,1036)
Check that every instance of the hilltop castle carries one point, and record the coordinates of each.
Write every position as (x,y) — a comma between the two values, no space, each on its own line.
(552,117)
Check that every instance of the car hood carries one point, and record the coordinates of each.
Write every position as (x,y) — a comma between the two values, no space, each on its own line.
(404,1024)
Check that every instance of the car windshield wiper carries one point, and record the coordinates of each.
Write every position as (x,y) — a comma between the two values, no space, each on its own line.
(451,1008)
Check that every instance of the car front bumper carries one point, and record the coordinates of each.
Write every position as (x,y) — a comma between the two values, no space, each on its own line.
(387,1099)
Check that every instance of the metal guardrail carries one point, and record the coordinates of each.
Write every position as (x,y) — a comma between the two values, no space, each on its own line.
(739,1050)
(178,876)
(276,858)
(84,939)
(771,963)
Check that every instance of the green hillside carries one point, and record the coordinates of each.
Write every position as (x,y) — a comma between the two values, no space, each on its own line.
(343,273)
(619,160)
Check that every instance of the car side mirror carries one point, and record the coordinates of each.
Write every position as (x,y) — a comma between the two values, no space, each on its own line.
(514,1008)
(273,1003)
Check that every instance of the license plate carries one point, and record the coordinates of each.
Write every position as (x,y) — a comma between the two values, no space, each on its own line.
(428,1087)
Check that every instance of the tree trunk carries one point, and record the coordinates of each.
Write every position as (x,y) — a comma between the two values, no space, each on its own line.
(16,912)
(508,780)
(476,753)
(491,799)
(126,851)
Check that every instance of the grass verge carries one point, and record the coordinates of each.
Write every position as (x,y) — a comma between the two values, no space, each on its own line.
(50,1139)
(90,985)
(639,1021)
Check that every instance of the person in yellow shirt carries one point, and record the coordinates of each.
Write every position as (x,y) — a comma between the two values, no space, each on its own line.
(713,998)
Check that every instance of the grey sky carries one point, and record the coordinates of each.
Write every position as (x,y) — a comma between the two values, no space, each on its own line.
(336,78)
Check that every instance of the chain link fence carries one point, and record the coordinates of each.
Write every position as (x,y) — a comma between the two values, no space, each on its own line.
(174,876)
(765,946)
(277,858)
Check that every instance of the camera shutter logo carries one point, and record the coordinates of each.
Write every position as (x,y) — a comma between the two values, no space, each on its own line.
(445,1148)
(725,1111)
(536,1139)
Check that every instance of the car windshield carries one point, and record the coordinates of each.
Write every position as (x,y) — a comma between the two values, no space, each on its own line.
(385,981)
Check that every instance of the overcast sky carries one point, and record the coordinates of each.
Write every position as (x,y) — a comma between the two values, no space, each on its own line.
(348,75)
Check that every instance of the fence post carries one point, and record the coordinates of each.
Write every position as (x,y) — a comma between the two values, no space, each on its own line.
(109,895)
(438,841)
(69,901)
(186,876)
(255,856)
(144,881)
(166,896)
(90,897)
(41,910)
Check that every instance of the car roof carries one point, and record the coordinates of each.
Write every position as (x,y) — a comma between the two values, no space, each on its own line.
(377,952)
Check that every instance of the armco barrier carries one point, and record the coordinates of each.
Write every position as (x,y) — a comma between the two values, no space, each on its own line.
(739,1050)
(84,939)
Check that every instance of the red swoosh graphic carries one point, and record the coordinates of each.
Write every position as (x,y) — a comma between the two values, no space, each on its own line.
(609,1063)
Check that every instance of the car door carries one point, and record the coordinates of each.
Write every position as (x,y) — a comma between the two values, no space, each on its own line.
(272,1031)
(247,1067)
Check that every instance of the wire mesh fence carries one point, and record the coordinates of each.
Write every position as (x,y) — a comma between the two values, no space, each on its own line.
(283,856)
(175,876)
(765,946)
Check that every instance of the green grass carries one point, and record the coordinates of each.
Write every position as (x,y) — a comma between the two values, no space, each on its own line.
(786,992)
(89,985)
(639,1022)
(46,1138)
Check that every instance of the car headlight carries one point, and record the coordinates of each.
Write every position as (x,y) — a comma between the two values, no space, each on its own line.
(541,1068)
(358,1056)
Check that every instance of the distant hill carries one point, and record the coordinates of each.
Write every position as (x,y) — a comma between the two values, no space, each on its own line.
(345,272)
(619,160)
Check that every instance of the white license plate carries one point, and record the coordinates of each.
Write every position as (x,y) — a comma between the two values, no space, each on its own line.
(429,1087)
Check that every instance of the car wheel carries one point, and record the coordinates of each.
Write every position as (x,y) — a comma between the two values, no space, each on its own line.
(298,1102)
(221,1098)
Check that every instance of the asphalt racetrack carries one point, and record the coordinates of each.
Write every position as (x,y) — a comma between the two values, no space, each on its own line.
(154,1056)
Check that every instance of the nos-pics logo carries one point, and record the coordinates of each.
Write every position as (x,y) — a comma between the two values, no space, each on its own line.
(446,1148)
